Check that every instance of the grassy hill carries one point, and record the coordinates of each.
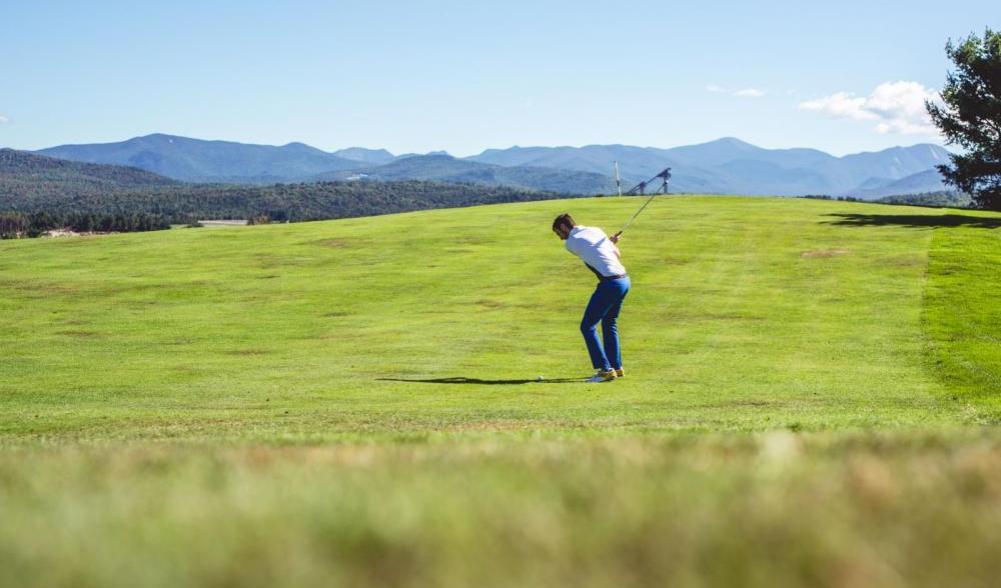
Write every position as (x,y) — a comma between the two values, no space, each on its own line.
(811,398)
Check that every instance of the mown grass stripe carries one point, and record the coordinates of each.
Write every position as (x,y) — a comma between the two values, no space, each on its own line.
(962,314)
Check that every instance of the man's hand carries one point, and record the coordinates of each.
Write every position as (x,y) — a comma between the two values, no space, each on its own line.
(615,238)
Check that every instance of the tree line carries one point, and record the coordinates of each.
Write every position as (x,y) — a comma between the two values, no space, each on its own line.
(186,203)
(14,225)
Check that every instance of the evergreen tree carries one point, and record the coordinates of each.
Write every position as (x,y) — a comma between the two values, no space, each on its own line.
(971,117)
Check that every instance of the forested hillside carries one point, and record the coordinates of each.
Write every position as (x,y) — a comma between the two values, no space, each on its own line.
(31,184)
(293,202)
(26,176)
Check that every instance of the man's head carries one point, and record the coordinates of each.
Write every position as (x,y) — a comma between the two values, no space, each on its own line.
(562,226)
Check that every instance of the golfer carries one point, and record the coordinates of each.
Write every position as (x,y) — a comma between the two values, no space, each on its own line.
(600,254)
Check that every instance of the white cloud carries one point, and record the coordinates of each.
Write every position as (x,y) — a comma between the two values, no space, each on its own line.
(896,107)
(745,93)
(4,120)
(840,105)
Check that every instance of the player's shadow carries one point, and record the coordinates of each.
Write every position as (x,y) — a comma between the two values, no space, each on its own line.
(914,221)
(479,381)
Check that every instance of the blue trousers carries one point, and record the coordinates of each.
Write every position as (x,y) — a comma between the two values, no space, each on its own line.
(604,308)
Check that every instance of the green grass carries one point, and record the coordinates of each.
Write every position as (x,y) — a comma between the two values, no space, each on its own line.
(746,314)
(962,315)
(811,395)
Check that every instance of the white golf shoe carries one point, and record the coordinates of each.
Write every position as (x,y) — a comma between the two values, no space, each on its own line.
(601,376)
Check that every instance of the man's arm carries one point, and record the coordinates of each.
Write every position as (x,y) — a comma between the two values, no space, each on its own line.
(615,239)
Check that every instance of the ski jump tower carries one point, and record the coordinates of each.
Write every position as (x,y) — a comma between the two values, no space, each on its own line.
(640,188)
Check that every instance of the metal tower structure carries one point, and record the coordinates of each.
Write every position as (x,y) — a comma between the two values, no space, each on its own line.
(640,188)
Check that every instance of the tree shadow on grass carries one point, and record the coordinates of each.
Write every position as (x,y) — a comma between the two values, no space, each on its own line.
(914,221)
(464,380)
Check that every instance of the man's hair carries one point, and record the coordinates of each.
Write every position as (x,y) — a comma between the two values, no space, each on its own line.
(563,219)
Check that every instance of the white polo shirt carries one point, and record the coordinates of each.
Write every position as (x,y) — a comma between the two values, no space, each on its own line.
(592,245)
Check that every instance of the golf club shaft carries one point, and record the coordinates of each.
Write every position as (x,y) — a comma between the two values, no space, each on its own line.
(630,221)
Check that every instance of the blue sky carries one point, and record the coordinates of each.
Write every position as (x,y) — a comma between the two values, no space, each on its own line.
(463,76)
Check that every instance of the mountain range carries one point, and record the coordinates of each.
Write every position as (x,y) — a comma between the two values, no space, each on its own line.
(195,160)
(733,166)
(727,165)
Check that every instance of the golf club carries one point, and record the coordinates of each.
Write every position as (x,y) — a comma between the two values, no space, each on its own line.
(630,221)
(665,177)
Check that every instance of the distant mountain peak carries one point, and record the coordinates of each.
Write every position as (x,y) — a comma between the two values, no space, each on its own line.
(160,137)
(366,156)
(444,154)
(301,148)
(732,141)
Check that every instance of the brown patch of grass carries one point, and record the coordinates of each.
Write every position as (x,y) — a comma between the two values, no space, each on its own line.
(823,253)
(907,261)
(490,303)
(469,240)
(752,402)
(78,333)
(247,352)
(337,243)
(682,316)
(268,261)
(37,288)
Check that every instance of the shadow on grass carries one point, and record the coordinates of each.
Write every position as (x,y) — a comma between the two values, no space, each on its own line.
(463,380)
(915,221)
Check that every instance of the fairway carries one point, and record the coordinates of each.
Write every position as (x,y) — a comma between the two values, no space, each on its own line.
(358,402)
(746,314)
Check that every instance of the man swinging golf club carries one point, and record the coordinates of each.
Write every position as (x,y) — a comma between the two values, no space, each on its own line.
(601,255)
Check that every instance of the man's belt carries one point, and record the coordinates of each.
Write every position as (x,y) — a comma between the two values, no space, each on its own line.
(615,277)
